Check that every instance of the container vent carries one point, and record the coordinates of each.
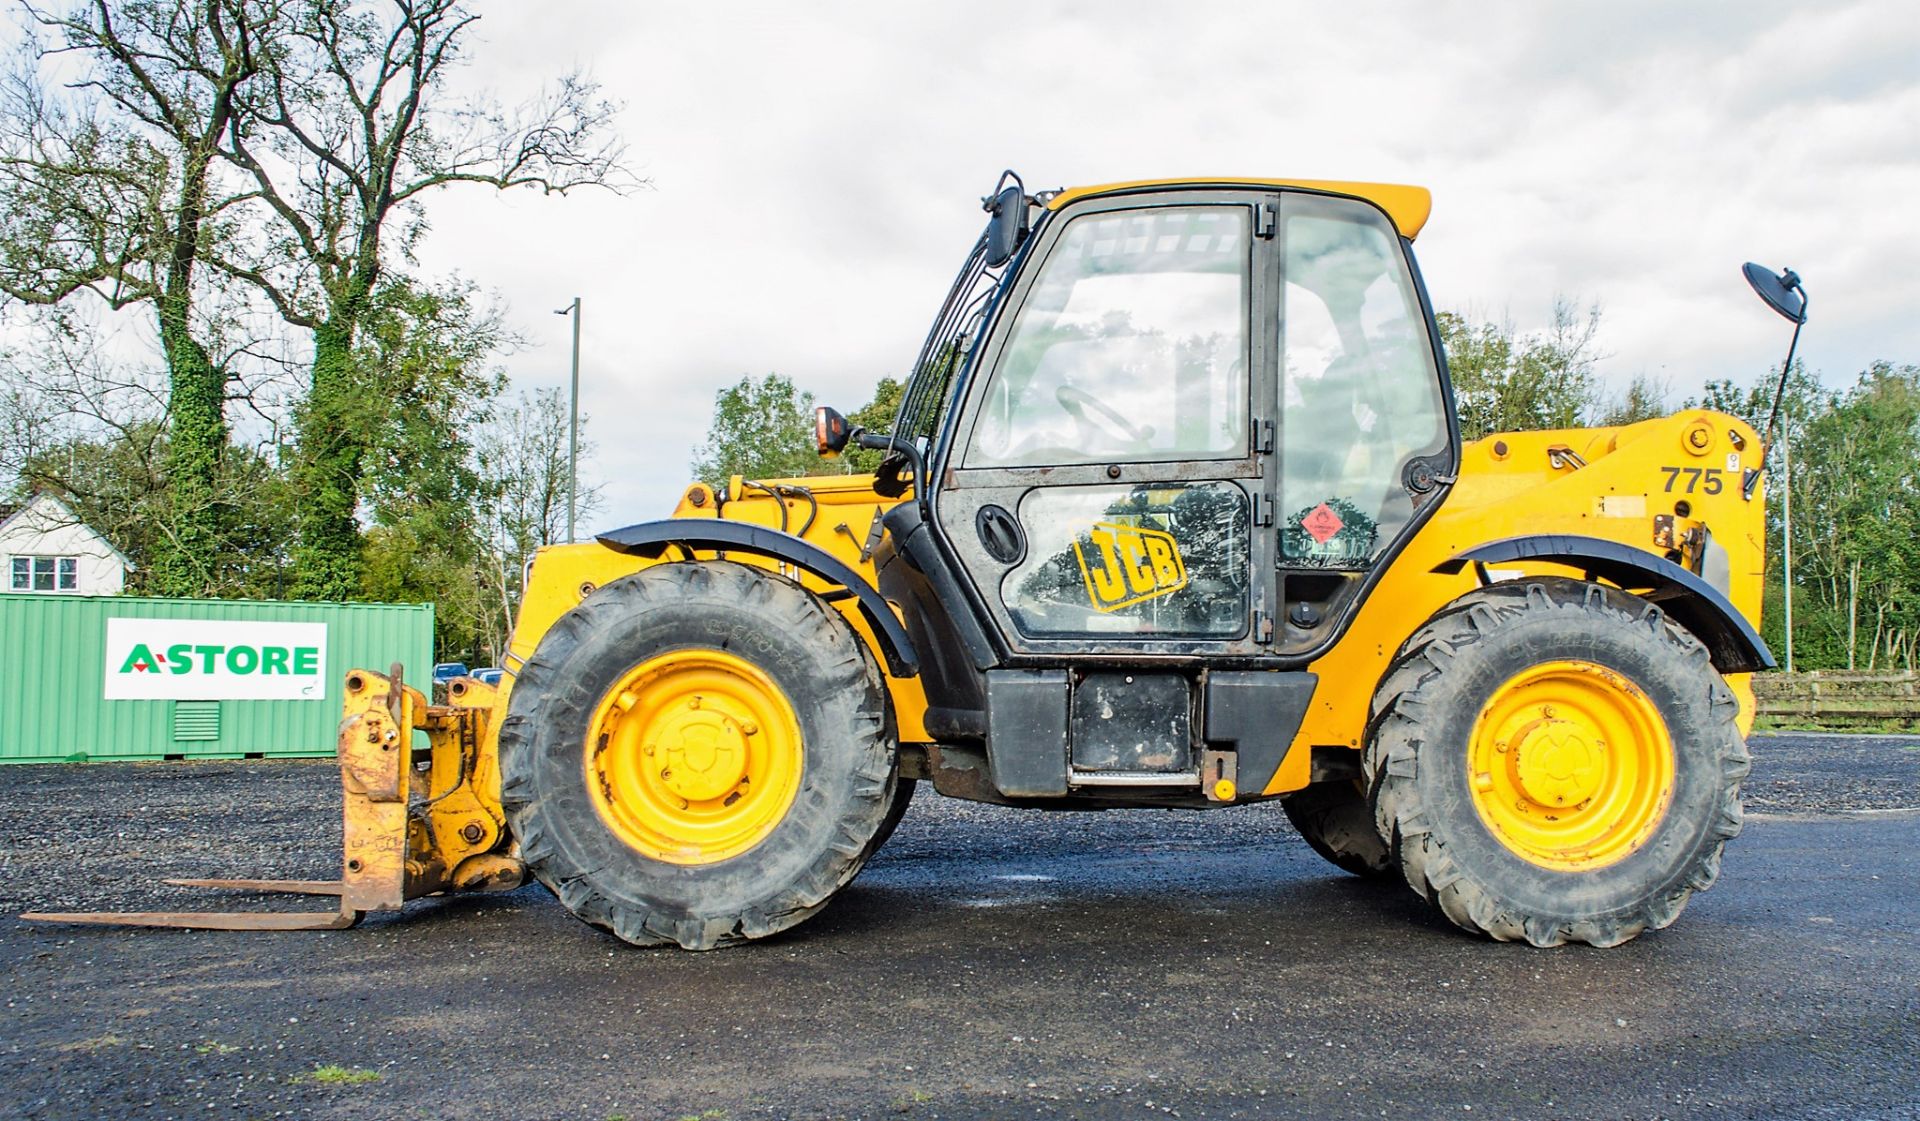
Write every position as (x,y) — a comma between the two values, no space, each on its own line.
(196,720)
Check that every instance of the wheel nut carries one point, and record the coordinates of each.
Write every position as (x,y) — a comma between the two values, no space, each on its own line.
(749,729)
(694,703)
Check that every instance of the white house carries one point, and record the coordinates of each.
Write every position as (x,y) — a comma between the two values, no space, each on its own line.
(45,548)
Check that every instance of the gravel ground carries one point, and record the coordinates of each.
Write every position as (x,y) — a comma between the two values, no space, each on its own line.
(989,963)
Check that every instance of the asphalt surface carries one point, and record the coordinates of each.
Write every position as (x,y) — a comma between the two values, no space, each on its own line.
(988,964)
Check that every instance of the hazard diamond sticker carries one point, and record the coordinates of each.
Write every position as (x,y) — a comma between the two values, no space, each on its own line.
(1322,523)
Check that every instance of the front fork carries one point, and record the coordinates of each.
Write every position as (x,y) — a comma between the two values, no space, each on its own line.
(396,846)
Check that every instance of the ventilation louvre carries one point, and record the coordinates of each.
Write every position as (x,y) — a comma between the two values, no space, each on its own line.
(196,721)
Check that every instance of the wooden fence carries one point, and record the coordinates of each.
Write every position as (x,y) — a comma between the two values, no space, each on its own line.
(1840,700)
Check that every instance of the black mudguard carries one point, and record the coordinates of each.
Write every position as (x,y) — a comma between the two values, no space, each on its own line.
(652,539)
(1692,602)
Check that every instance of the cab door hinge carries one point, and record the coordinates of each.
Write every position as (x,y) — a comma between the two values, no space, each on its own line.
(1263,437)
(1262,510)
(1262,627)
(1263,220)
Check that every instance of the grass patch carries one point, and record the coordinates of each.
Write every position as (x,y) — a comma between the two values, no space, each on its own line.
(332,1074)
(214,1047)
(913,1097)
(1864,727)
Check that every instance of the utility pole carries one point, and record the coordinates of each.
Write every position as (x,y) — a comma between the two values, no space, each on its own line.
(1788,298)
(1786,520)
(573,430)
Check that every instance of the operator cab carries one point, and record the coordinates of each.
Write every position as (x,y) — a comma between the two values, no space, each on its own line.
(1175,426)
(1178,405)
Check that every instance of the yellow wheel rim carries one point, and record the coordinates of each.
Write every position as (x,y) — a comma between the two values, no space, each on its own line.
(694,756)
(1571,766)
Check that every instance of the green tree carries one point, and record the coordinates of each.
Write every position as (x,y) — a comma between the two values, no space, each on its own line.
(876,415)
(762,428)
(1507,382)
(1802,396)
(1644,398)
(423,494)
(1856,517)
(1856,512)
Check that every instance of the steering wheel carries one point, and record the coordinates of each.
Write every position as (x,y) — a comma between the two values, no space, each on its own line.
(1078,401)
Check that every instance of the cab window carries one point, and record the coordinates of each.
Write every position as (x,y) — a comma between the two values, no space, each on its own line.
(1359,392)
(1131,345)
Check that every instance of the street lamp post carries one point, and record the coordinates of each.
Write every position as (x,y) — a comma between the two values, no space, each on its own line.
(573,421)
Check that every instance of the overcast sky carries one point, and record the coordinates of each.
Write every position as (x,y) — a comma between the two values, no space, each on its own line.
(816,172)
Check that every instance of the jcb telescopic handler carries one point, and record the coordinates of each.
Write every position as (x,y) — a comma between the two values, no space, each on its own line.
(1176,512)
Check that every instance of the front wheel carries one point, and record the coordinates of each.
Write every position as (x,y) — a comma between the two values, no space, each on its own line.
(1555,761)
(698,753)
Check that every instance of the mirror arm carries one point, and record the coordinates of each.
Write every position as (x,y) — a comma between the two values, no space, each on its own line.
(1779,394)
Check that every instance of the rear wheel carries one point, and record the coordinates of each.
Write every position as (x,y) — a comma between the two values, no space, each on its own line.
(1336,820)
(896,809)
(1555,761)
(697,754)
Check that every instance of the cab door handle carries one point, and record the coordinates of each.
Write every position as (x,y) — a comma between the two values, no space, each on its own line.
(1000,534)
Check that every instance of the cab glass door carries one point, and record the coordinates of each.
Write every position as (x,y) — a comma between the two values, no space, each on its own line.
(1105,480)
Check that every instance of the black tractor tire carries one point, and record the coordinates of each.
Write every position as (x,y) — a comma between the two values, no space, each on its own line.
(1336,820)
(1416,763)
(848,768)
(896,809)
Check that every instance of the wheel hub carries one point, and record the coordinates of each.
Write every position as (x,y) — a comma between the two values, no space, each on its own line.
(1570,765)
(705,754)
(1555,764)
(694,756)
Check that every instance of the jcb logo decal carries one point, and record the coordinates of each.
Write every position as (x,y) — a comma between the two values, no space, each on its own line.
(1124,565)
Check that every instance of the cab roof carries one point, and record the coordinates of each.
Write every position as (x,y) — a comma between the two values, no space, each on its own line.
(1407,206)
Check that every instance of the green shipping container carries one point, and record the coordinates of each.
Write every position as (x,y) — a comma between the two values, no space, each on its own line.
(111,677)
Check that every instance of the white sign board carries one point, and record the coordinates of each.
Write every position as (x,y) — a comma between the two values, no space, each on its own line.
(207,660)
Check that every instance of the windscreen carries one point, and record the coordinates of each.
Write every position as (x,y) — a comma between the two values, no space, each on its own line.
(1130,345)
(954,332)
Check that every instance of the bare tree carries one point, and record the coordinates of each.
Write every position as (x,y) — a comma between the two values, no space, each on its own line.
(196,153)
(111,121)
(522,457)
(81,421)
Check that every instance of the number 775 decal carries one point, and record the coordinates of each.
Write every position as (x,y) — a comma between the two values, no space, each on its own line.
(1706,480)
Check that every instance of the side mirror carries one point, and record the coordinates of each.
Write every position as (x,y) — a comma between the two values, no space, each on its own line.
(1785,295)
(1007,227)
(830,431)
(1782,293)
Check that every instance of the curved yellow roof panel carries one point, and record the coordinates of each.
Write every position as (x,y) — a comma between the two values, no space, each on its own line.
(1407,206)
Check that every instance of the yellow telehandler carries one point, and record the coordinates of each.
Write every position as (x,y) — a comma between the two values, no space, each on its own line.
(1175,513)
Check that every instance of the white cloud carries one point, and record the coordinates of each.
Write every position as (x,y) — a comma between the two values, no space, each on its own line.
(817,167)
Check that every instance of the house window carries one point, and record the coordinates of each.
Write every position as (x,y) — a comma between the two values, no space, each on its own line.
(45,574)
